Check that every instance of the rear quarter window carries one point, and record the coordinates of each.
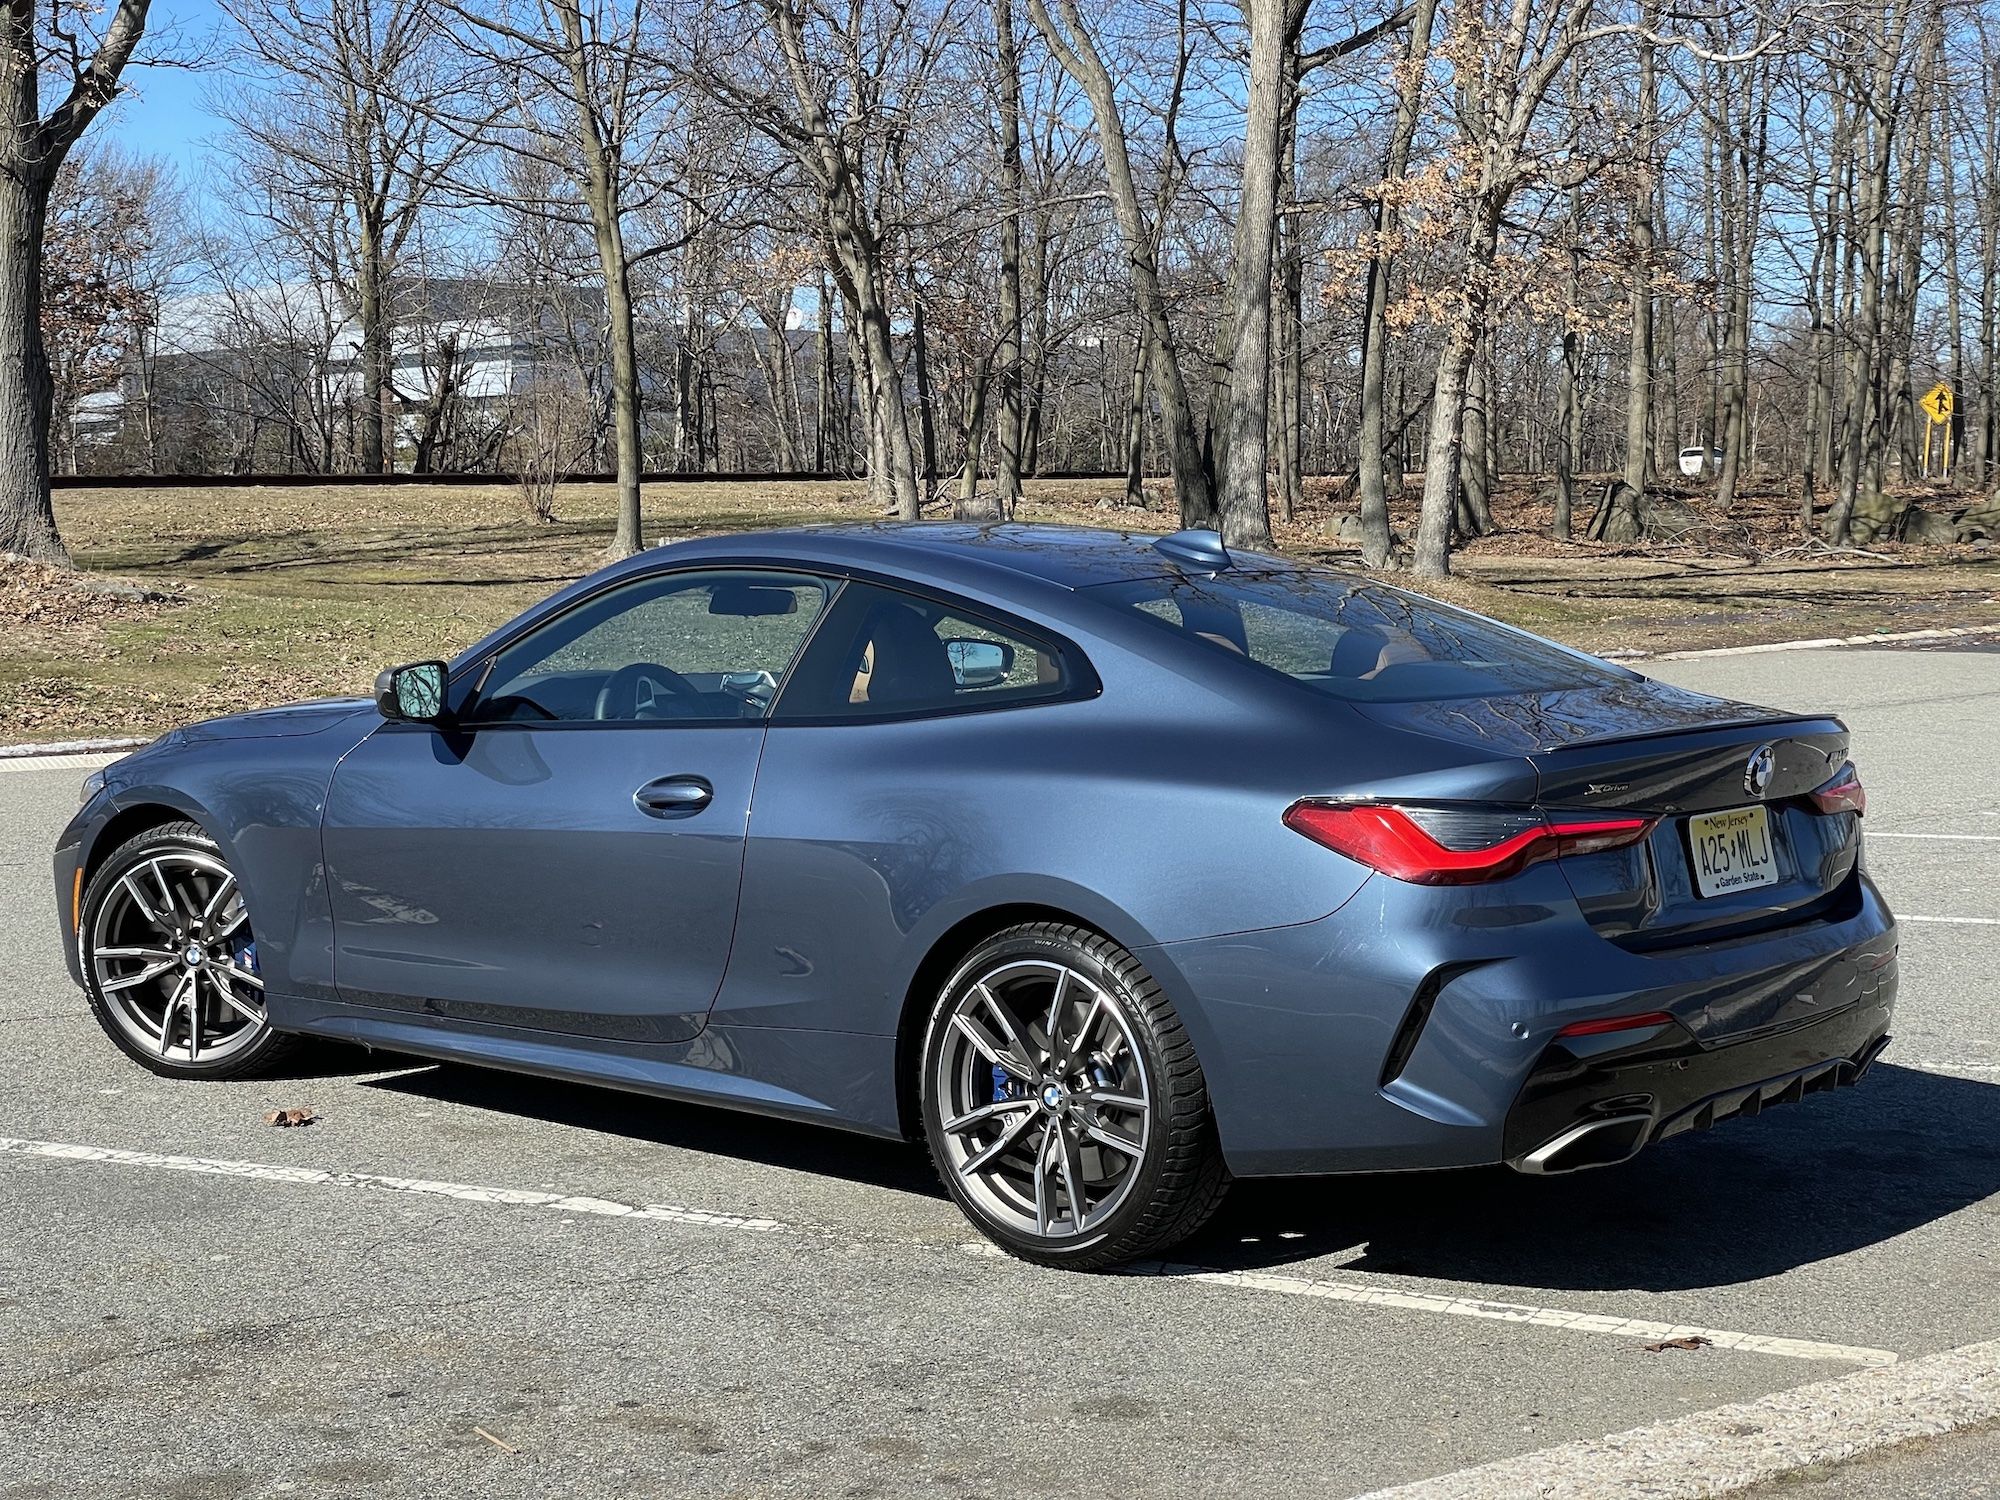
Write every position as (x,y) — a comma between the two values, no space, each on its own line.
(1356,639)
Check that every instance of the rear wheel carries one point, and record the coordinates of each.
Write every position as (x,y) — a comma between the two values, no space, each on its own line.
(169,961)
(1063,1103)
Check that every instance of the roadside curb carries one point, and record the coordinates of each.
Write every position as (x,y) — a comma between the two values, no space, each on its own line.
(1823,643)
(68,747)
(1734,1447)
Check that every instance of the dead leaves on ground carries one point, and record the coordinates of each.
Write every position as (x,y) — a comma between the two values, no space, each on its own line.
(288,1119)
(63,599)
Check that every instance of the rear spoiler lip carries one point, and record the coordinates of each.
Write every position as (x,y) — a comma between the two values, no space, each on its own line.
(1721,726)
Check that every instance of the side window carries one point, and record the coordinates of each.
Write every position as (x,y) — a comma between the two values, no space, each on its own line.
(676,648)
(885,654)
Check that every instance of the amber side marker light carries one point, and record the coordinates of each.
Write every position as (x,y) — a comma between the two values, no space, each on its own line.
(76,903)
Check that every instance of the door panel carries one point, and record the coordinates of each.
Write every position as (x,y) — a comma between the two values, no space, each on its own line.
(511,875)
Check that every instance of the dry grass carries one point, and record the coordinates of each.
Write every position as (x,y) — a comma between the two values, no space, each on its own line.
(274,594)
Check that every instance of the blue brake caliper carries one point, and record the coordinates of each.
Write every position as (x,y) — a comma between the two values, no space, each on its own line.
(1004,1086)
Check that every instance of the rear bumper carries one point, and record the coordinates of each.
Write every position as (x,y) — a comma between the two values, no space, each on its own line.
(1404,1031)
(1587,1104)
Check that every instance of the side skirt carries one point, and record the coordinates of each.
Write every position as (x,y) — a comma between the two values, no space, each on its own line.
(841,1079)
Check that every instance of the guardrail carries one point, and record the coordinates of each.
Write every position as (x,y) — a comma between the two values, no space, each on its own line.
(298,481)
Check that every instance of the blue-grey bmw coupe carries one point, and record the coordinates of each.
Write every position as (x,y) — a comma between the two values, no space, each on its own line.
(1113,866)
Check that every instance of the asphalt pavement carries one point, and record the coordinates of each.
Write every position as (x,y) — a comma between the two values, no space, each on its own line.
(459,1283)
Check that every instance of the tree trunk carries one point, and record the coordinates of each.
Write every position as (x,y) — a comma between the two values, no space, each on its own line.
(1369,464)
(27,394)
(1241,473)
(920,346)
(1432,557)
(624,384)
(373,316)
(1289,363)
(1007,463)
(1569,389)
(1192,481)
(969,507)
(1135,425)
(1639,356)
(1476,465)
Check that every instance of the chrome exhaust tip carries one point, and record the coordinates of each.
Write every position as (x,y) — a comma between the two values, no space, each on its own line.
(1594,1143)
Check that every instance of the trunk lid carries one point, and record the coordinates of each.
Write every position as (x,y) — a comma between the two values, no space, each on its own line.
(1638,746)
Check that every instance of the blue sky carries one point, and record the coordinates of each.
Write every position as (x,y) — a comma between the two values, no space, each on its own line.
(163,115)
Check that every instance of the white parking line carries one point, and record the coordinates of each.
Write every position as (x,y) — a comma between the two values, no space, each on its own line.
(1966,921)
(1733,1447)
(1257,1281)
(1968,838)
(1635,1329)
(563,1203)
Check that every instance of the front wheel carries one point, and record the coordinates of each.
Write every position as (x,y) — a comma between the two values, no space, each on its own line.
(1063,1103)
(169,961)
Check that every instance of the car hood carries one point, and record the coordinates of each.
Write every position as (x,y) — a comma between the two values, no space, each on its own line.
(1531,723)
(273,723)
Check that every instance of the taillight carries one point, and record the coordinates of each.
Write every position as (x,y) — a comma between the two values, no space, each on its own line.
(1842,794)
(1455,845)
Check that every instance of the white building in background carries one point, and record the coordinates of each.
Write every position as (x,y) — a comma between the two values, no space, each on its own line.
(287,359)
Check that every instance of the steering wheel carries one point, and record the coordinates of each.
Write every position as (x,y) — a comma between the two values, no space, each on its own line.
(638,686)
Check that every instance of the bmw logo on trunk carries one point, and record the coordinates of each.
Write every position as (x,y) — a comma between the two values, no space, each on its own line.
(1757,774)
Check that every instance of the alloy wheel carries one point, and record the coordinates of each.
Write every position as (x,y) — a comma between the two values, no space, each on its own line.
(1045,1107)
(174,961)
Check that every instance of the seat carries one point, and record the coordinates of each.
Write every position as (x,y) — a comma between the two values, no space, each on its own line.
(1356,653)
(903,663)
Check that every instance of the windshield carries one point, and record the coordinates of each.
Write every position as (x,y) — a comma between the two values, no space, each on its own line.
(1357,640)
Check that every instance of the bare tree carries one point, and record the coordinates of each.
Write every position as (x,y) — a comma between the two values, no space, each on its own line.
(99,299)
(577,86)
(334,105)
(85,54)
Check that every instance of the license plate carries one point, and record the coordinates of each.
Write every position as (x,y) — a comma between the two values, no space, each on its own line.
(1732,850)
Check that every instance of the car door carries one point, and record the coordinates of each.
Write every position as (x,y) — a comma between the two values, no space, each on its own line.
(566,855)
(885,789)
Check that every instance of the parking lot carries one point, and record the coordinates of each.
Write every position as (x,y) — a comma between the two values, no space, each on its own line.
(466,1283)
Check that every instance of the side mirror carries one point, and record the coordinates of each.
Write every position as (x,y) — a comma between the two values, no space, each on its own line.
(979,663)
(414,693)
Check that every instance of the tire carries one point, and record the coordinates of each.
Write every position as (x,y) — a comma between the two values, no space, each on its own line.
(1093,1151)
(158,898)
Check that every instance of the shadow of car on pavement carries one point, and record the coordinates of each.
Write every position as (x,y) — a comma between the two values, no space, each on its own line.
(1824,1177)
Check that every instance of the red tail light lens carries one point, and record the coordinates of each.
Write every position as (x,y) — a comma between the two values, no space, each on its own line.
(1616,1023)
(1455,846)
(1842,794)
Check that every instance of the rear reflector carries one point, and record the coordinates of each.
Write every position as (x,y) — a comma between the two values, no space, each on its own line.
(1616,1023)
(1842,794)
(1455,846)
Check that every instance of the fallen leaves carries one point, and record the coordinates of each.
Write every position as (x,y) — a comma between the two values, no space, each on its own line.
(66,600)
(288,1119)
(1691,1341)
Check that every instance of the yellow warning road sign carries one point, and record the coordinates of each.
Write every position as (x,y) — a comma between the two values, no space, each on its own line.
(1937,402)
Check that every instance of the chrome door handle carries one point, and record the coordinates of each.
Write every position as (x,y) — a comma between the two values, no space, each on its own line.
(673,796)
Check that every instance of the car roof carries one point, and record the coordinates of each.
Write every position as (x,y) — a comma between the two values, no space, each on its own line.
(1073,557)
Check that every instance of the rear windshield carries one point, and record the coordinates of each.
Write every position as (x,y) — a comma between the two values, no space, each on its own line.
(1358,640)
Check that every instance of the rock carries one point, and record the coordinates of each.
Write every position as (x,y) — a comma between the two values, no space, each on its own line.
(1925,527)
(1978,522)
